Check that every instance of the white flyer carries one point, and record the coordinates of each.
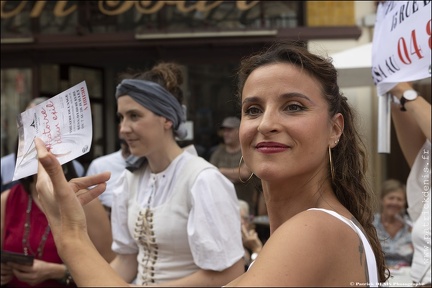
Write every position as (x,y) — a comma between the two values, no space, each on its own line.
(63,122)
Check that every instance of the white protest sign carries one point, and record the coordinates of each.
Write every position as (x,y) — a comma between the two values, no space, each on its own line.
(401,52)
(401,47)
(63,122)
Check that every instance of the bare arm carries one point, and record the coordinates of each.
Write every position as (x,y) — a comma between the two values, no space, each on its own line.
(308,250)
(203,278)
(126,266)
(413,126)
(62,202)
(4,196)
(99,229)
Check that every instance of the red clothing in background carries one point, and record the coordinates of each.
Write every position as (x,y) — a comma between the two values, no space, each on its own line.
(15,217)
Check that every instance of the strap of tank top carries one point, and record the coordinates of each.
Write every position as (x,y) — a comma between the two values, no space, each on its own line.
(340,217)
(370,256)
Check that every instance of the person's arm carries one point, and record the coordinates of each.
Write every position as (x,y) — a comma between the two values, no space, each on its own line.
(203,278)
(215,237)
(251,240)
(62,203)
(4,197)
(309,250)
(412,126)
(99,229)
(126,266)
(124,245)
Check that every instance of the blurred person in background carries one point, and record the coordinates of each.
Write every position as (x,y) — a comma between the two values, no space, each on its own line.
(393,225)
(227,157)
(251,242)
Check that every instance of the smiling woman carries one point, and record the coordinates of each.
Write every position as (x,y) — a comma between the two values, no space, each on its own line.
(298,136)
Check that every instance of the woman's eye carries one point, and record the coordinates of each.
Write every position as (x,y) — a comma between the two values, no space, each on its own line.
(252,111)
(295,107)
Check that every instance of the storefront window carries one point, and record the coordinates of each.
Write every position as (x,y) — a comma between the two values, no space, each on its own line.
(16,85)
(211,98)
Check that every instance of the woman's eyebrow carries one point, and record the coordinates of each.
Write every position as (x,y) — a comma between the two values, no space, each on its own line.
(295,95)
(283,96)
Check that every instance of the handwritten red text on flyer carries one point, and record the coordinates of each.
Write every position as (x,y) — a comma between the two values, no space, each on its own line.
(63,122)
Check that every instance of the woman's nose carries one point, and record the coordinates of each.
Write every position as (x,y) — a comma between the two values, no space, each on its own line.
(124,127)
(270,122)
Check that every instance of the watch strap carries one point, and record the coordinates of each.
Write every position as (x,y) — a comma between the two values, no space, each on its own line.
(403,100)
(411,96)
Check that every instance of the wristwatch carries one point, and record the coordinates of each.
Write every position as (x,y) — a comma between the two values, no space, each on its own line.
(408,95)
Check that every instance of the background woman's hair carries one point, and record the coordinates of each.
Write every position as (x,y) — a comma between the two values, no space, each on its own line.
(392,185)
(349,156)
(166,74)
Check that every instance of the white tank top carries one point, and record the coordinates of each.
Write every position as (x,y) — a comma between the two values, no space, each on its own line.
(370,256)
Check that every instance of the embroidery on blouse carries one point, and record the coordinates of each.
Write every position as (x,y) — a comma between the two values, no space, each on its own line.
(145,235)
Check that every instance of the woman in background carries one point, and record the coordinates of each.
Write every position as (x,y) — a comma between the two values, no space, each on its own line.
(25,230)
(393,225)
(174,215)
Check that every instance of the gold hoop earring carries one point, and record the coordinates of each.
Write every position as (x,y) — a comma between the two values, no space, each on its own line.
(244,182)
(331,164)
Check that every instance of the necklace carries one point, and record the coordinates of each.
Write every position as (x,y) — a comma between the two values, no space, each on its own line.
(26,237)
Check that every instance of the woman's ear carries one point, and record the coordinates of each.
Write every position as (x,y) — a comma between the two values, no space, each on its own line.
(167,124)
(337,129)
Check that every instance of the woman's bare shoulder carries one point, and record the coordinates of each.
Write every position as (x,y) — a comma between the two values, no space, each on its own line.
(309,242)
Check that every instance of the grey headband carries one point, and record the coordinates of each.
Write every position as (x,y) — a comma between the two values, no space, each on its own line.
(157,99)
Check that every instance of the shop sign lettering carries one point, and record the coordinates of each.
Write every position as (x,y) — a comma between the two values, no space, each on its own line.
(113,8)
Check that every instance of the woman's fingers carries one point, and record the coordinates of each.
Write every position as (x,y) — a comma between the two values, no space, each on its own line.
(51,179)
(55,191)
(86,195)
(44,184)
(87,181)
(50,172)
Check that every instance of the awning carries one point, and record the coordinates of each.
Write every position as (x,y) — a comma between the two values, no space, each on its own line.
(354,66)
